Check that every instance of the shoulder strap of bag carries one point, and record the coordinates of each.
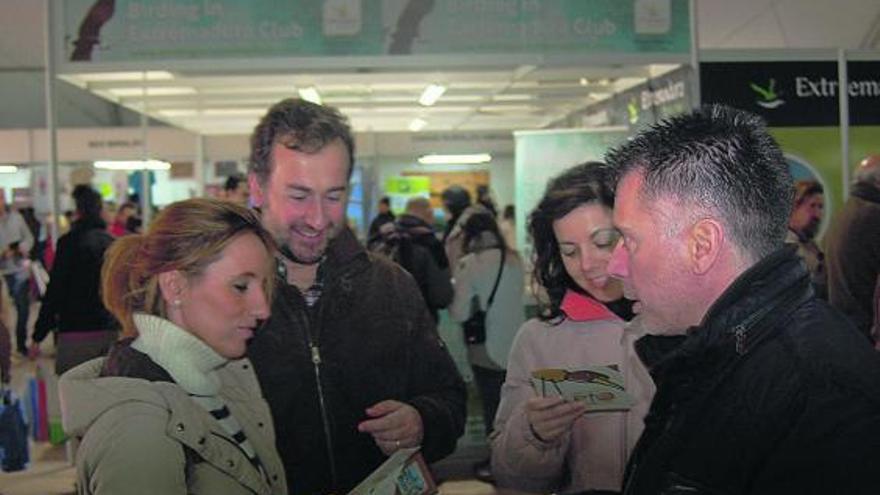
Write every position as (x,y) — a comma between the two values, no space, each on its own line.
(497,280)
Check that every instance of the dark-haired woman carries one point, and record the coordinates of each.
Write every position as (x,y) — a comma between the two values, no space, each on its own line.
(546,444)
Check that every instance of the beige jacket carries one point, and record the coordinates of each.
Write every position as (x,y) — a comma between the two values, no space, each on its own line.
(595,450)
(134,432)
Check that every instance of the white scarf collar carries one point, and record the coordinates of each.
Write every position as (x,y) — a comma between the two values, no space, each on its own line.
(189,361)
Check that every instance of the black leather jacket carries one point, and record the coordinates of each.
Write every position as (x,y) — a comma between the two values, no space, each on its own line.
(775,392)
(376,341)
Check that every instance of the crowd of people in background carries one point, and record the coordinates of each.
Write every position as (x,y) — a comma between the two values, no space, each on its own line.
(264,348)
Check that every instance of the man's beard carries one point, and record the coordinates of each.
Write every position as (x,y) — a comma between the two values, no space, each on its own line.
(310,257)
(288,253)
(808,233)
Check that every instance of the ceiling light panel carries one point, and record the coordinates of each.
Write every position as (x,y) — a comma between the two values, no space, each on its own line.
(311,94)
(431,94)
(132,165)
(153,91)
(150,75)
(472,158)
(417,124)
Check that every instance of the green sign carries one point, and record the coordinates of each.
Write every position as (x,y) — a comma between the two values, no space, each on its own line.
(417,185)
(400,189)
(157,30)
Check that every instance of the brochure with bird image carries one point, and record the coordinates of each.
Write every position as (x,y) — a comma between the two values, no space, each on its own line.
(601,388)
(403,473)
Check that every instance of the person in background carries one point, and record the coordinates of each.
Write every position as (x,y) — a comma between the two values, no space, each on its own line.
(761,387)
(853,248)
(487,262)
(417,221)
(33,223)
(119,226)
(236,189)
(384,216)
(507,225)
(458,207)
(5,345)
(546,444)
(411,243)
(484,197)
(350,362)
(456,199)
(803,225)
(174,409)
(108,213)
(72,305)
(16,242)
(134,225)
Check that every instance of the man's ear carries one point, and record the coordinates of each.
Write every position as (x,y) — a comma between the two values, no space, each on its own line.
(256,190)
(171,285)
(705,244)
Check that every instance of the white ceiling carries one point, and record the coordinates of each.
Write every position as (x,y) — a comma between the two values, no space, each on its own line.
(515,97)
(494,96)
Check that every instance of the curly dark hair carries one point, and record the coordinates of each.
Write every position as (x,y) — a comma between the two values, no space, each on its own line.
(582,184)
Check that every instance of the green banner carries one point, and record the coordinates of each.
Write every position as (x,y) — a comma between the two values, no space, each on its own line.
(156,30)
(400,189)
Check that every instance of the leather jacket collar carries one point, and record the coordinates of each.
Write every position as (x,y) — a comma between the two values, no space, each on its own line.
(739,319)
(344,255)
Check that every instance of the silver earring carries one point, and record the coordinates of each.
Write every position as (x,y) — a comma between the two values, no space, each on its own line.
(176,302)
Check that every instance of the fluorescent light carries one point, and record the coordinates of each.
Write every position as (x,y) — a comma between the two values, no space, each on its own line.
(417,124)
(178,113)
(8,169)
(431,94)
(512,97)
(310,94)
(152,75)
(233,112)
(158,91)
(455,159)
(132,165)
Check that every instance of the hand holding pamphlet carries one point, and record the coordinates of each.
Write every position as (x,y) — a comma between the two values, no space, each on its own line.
(404,473)
(601,388)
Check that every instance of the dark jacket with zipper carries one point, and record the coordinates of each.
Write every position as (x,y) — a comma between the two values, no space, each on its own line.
(375,341)
(774,393)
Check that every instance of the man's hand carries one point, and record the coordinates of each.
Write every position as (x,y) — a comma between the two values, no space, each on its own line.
(393,425)
(551,417)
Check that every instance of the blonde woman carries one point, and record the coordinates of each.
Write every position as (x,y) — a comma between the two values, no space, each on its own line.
(174,409)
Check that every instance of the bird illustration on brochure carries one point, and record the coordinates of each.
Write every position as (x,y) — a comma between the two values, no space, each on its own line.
(601,388)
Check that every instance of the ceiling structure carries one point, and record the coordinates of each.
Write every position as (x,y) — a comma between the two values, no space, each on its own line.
(519,97)
(495,96)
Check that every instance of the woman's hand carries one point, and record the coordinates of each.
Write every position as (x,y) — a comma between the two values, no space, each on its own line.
(552,417)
